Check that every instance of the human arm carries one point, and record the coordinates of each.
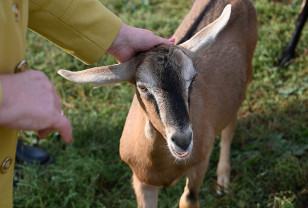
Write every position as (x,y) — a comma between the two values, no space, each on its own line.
(30,102)
(86,29)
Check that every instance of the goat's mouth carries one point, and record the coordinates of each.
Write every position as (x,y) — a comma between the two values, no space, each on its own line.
(179,154)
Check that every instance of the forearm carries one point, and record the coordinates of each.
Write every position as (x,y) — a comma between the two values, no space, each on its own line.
(83,28)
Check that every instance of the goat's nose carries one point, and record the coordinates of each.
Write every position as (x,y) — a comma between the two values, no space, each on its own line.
(182,141)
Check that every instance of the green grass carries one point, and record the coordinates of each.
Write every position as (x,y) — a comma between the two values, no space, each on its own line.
(270,149)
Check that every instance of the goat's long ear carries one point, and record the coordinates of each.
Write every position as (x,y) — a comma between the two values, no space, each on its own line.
(205,37)
(103,75)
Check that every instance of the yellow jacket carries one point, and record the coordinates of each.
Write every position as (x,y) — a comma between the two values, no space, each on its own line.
(83,28)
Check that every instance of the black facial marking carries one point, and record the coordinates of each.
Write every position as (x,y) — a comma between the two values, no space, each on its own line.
(173,86)
(177,112)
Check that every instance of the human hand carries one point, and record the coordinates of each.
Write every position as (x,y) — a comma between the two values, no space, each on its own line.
(131,40)
(30,102)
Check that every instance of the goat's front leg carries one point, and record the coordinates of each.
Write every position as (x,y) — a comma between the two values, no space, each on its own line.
(224,167)
(194,180)
(147,195)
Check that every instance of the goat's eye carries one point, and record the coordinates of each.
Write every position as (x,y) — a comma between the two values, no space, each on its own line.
(193,80)
(192,83)
(143,88)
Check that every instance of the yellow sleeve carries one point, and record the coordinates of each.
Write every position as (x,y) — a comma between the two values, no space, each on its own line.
(83,28)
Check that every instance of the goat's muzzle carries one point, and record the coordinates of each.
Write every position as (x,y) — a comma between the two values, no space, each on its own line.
(180,144)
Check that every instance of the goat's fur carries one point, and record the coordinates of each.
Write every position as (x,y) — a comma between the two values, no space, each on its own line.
(186,95)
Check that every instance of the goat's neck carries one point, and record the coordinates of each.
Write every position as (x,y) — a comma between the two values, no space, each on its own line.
(195,19)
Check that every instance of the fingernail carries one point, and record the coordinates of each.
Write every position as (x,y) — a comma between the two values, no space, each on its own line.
(172,39)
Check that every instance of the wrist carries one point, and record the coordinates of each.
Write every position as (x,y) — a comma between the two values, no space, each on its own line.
(120,41)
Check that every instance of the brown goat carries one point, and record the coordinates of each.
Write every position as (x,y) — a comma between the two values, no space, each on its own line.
(186,95)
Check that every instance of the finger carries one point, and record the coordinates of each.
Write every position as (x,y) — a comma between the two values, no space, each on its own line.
(45,132)
(65,129)
(161,40)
